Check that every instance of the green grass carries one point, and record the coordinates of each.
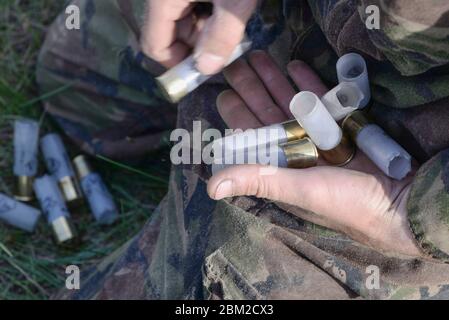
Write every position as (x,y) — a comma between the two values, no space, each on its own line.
(32,266)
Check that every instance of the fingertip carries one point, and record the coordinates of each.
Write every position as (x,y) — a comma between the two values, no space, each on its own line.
(257,56)
(214,183)
(224,99)
(211,187)
(235,112)
(231,181)
(223,96)
(295,66)
(223,190)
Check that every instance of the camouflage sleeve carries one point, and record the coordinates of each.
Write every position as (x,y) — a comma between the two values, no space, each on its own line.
(413,37)
(412,34)
(428,207)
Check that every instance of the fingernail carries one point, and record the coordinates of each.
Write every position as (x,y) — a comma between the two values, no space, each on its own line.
(224,190)
(208,63)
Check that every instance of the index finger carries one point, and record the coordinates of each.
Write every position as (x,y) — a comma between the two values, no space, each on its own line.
(248,85)
(273,78)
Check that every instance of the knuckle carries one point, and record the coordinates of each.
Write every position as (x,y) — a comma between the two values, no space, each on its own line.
(377,184)
(150,49)
(271,109)
(260,188)
(254,187)
(245,80)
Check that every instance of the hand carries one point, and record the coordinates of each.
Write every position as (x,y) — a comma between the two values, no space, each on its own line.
(358,200)
(172,28)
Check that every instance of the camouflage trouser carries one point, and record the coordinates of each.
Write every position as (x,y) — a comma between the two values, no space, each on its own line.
(194,247)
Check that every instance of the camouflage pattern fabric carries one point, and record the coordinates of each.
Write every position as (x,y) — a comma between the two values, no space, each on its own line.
(248,248)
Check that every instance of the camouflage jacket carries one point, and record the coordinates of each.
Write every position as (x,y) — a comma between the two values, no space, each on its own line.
(194,247)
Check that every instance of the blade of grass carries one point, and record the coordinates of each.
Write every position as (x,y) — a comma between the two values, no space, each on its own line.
(10,260)
(47,95)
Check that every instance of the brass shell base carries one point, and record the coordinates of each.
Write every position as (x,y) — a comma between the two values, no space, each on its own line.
(172,87)
(64,232)
(82,166)
(24,189)
(301,154)
(294,131)
(71,191)
(341,155)
(354,123)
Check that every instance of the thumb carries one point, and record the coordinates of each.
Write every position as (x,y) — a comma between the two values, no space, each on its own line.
(326,191)
(348,201)
(285,185)
(222,33)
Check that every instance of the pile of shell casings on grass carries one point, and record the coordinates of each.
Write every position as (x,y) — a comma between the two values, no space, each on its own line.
(66,186)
